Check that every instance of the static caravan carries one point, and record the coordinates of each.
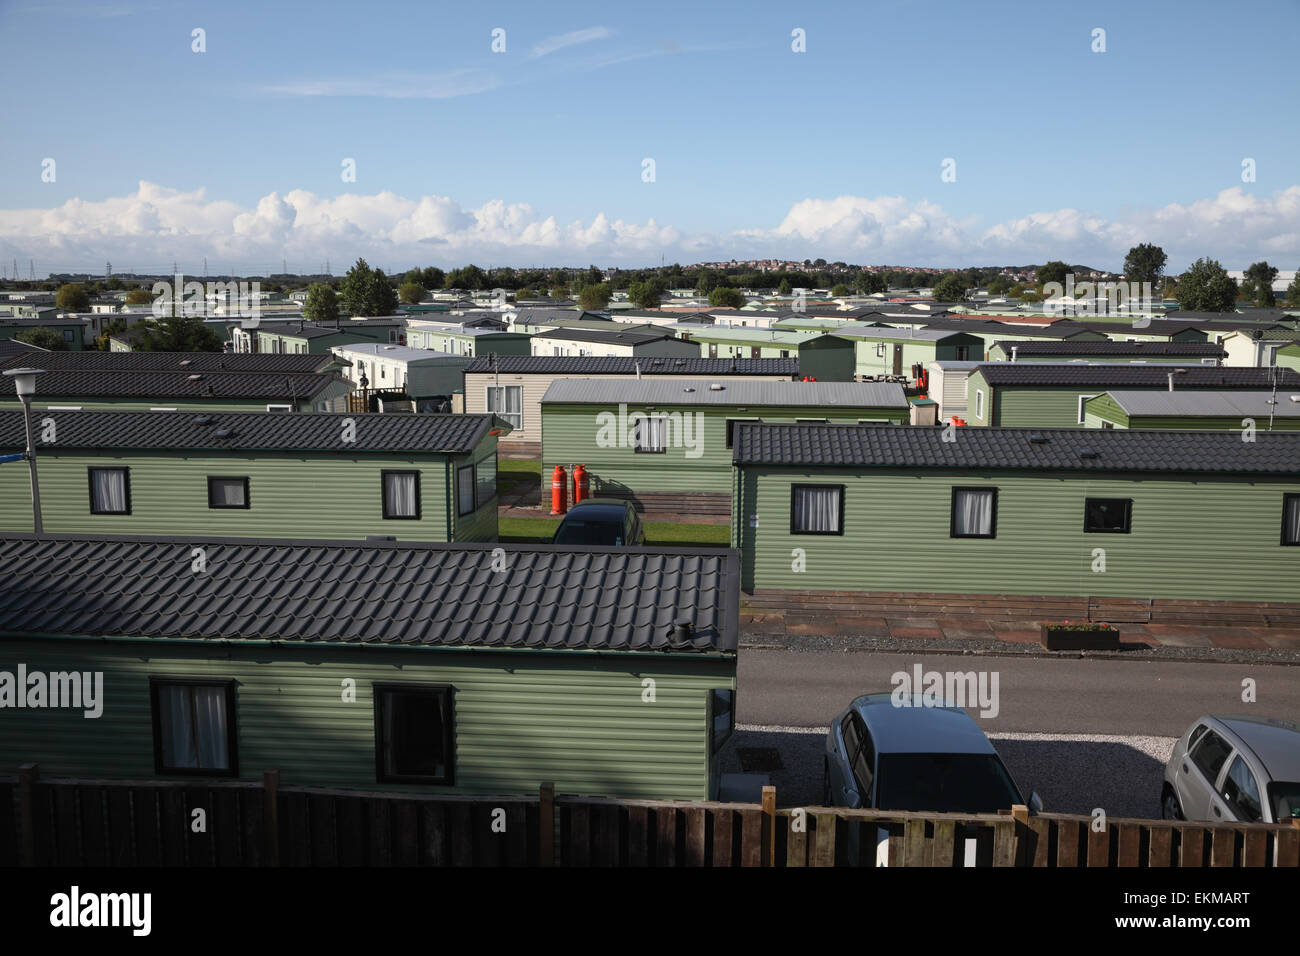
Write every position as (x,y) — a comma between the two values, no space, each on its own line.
(1155,353)
(666,443)
(1193,523)
(426,477)
(1242,411)
(512,387)
(377,666)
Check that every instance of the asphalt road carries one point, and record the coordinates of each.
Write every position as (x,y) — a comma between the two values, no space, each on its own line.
(1082,733)
(1035,694)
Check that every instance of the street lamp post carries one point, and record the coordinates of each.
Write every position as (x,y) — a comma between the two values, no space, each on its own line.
(25,386)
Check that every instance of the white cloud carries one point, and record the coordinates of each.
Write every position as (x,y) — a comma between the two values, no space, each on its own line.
(559,42)
(149,228)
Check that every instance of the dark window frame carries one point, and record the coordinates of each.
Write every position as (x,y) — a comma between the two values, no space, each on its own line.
(446,693)
(1128,517)
(232,725)
(126,484)
(952,513)
(215,507)
(1286,502)
(473,482)
(794,488)
(716,743)
(730,427)
(383,494)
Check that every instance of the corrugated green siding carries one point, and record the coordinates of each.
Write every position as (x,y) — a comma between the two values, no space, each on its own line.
(521,718)
(1209,538)
(322,496)
(569,437)
(1039,407)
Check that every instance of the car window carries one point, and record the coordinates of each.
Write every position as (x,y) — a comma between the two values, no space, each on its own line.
(577,531)
(1241,793)
(1196,735)
(945,783)
(851,738)
(864,760)
(1209,755)
(1284,797)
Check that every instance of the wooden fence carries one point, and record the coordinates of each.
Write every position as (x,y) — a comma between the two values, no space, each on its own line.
(241,823)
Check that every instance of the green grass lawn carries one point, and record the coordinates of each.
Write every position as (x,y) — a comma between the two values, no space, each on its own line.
(540,530)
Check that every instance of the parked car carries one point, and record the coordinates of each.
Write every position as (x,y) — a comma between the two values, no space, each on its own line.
(919,758)
(1234,768)
(601,521)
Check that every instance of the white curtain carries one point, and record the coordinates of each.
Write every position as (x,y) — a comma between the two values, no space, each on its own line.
(399,489)
(507,402)
(973,513)
(650,434)
(817,510)
(194,727)
(109,487)
(228,493)
(1291,521)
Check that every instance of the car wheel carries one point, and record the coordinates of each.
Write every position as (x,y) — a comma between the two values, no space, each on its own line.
(826,783)
(1169,808)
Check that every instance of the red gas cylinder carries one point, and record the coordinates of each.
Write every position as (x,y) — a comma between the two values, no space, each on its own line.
(581,484)
(559,490)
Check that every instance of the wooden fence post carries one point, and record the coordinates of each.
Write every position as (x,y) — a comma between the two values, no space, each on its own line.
(769,826)
(271,816)
(28,774)
(546,825)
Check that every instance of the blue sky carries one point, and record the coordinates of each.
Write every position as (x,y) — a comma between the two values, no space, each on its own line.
(1100,147)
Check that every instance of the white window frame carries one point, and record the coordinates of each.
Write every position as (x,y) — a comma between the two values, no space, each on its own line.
(272,407)
(1082,399)
(487,403)
(979,403)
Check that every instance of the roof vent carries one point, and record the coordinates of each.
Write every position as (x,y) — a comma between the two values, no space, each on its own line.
(681,632)
(1088,453)
(715,387)
(688,389)
(224,433)
(1038,438)
(194,378)
(201,420)
(185,363)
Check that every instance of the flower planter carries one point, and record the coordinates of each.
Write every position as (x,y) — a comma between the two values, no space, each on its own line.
(1080,637)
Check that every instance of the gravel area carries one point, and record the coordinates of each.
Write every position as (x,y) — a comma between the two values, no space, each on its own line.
(1072,773)
(983,646)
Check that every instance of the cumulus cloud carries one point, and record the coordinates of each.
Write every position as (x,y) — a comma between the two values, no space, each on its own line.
(148,229)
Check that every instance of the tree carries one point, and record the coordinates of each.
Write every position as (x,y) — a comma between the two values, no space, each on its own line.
(411,293)
(524,293)
(1263,274)
(1016,291)
(366,291)
(999,285)
(593,298)
(432,278)
(839,290)
(784,288)
(1144,263)
(138,297)
(43,338)
(951,288)
(560,292)
(72,297)
(869,283)
(1293,291)
(116,327)
(470,277)
(646,295)
(1206,287)
(178,333)
(1054,271)
(321,305)
(724,298)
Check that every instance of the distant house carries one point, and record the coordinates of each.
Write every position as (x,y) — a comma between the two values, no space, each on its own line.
(666,443)
(424,477)
(882,350)
(305,337)
(1258,348)
(728,341)
(1158,352)
(1193,408)
(1187,521)
(459,669)
(512,386)
(73,331)
(591,342)
(1044,395)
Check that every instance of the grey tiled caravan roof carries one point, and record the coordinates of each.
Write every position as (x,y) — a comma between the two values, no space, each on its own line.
(364,593)
(1052,449)
(665,391)
(627,365)
(255,431)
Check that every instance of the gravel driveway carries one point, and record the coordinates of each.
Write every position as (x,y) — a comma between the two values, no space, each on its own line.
(1072,773)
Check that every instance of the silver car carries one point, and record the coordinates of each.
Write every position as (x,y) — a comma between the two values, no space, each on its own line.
(1234,768)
